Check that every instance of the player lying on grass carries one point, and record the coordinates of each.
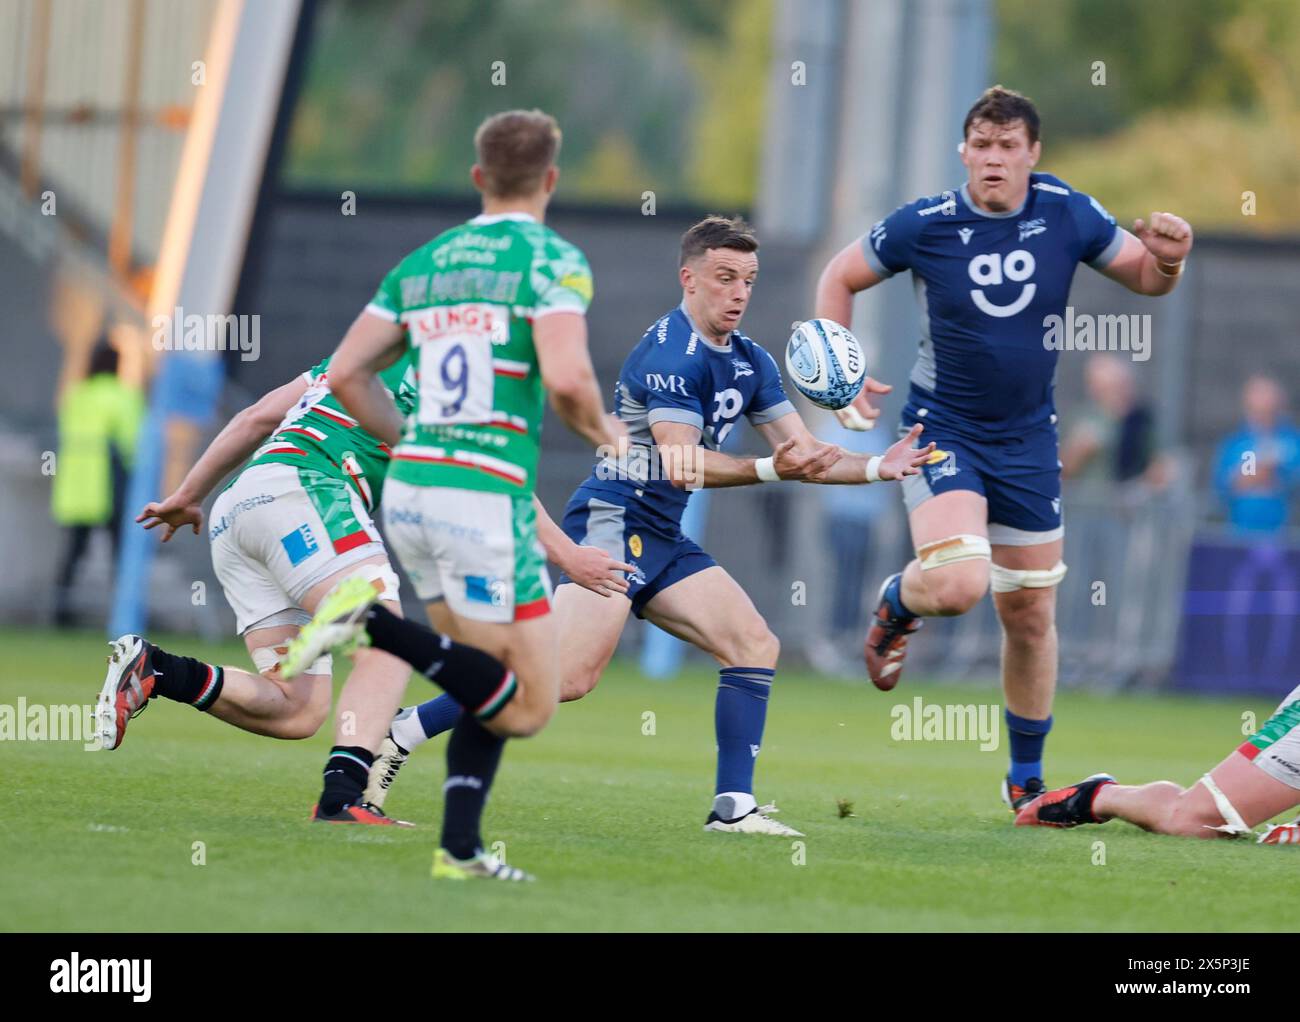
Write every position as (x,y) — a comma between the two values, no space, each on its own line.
(992,260)
(1259,780)
(680,392)
(292,524)
(494,314)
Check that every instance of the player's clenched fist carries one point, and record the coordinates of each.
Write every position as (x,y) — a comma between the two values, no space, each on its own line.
(1166,236)
(902,459)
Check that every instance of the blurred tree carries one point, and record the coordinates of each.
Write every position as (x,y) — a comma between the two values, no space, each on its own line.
(624,77)
(1199,103)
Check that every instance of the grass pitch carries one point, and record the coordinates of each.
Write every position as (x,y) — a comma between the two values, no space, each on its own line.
(610,819)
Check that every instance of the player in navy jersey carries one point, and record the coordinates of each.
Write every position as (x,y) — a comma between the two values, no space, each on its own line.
(681,391)
(991,264)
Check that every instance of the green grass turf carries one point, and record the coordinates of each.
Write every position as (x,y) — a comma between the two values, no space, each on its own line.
(610,819)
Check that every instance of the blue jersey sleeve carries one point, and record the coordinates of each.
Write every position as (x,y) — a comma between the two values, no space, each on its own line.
(769,401)
(1100,238)
(673,387)
(890,243)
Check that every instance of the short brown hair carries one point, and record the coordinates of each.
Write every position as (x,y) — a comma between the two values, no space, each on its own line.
(718,232)
(1002,106)
(515,149)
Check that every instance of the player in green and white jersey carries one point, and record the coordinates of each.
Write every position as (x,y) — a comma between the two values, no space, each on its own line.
(1257,781)
(291,524)
(493,315)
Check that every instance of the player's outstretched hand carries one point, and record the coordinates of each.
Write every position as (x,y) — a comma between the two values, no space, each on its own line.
(1167,237)
(861,415)
(593,568)
(903,459)
(173,512)
(810,465)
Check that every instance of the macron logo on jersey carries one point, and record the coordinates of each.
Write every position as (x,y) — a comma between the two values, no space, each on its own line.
(671,382)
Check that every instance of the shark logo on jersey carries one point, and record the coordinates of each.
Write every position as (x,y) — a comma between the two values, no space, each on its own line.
(1028,228)
(964,233)
(742,368)
(991,269)
(1056,505)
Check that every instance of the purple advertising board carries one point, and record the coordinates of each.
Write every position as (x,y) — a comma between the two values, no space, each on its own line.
(1240,629)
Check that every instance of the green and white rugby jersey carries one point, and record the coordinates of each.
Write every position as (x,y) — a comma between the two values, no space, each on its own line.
(317,434)
(468,300)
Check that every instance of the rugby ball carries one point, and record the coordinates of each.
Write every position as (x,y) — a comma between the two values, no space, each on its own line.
(826,363)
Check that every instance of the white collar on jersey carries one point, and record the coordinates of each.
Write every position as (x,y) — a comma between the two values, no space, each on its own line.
(970,204)
(704,340)
(496,218)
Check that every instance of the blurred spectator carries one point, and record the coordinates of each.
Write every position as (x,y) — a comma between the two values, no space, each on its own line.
(1114,440)
(850,516)
(99,418)
(1258,467)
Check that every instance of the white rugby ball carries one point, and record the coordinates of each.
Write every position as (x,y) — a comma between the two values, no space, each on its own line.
(826,363)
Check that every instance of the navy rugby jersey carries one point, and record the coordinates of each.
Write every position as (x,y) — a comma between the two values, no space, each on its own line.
(675,375)
(985,283)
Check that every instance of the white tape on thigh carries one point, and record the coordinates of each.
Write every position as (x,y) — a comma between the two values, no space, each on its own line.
(266,657)
(965,547)
(1008,580)
(1233,823)
(384,575)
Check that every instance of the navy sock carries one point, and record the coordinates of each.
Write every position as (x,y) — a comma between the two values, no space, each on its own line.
(894,597)
(346,774)
(1027,739)
(185,679)
(738,717)
(473,754)
(479,682)
(438,715)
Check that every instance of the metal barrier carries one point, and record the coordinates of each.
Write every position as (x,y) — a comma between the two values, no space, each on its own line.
(1118,609)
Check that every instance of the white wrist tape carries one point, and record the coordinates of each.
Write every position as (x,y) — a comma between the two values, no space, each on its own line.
(851,418)
(766,469)
(873,468)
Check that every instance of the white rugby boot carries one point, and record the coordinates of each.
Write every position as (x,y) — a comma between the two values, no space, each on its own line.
(756,821)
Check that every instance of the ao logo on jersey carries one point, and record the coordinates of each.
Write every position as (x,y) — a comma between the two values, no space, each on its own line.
(992,269)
